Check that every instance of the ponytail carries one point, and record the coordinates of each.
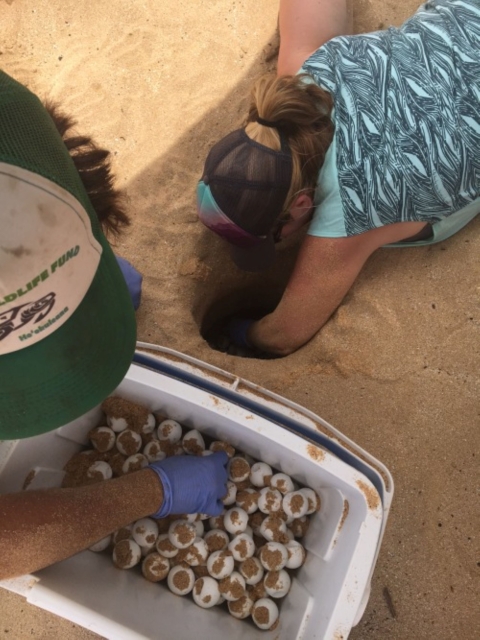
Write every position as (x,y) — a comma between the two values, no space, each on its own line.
(298,110)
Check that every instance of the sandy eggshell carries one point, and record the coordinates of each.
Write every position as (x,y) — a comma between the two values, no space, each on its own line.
(260,474)
(231,496)
(206,592)
(197,553)
(149,425)
(170,431)
(153,451)
(155,567)
(241,608)
(252,570)
(134,463)
(296,554)
(101,545)
(242,547)
(264,613)
(232,587)
(181,533)
(238,469)
(235,520)
(129,442)
(270,500)
(100,471)
(313,500)
(248,500)
(220,564)
(102,439)
(181,580)
(219,445)
(277,583)
(295,504)
(274,529)
(282,483)
(164,547)
(216,540)
(145,532)
(193,443)
(126,554)
(273,556)
(117,424)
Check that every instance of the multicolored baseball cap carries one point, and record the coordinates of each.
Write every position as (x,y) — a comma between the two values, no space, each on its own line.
(67,323)
(241,195)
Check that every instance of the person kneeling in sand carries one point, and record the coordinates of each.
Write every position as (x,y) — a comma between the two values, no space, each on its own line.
(67,337)
(370,139)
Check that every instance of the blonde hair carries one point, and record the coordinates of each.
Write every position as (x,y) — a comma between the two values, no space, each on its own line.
(301,112)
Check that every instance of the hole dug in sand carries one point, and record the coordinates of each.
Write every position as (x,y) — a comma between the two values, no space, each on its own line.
(253,302)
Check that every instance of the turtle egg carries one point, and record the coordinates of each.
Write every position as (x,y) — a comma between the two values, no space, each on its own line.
(153,451)
(181,580)
(313,500)
(273,556)
(216,540)
(117,424)
(296,554)
(241,608)
(129,442)
(242,547)
(270,500)
(232,587)
(169,430)
(193,443)
(100,471)
(260,474)
(252,570)
(277,583)
(145,532)
(273,528)
(102,439)
(149,425)
(134,463)
(164,547)
(126,554)
(182,533)
(265,613)
(197,553)
(235,520)
(231,493)
(282,482)
(220,564)
(295,504)
(206,592)
(101,545)
(238,469)
(155,567)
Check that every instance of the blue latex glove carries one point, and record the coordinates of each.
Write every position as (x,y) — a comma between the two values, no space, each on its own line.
(133,280)
(192,484)
(237,332)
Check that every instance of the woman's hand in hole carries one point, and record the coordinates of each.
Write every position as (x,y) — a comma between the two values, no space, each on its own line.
(233,339)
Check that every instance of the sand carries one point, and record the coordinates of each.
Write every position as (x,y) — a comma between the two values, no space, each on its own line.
(396,369)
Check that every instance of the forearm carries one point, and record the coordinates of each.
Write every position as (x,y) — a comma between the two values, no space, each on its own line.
(305,25)
(38,528)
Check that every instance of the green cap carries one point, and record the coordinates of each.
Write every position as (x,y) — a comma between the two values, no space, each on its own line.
(67,323)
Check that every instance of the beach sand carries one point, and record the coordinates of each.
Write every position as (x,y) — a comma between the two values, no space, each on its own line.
(395,369)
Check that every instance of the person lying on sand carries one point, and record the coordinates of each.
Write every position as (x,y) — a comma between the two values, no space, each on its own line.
(372,140)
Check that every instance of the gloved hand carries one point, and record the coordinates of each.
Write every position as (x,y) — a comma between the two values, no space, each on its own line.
(133,279)
(192,484)
(237,329)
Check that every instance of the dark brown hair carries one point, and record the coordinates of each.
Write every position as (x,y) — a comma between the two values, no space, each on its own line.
(94,167)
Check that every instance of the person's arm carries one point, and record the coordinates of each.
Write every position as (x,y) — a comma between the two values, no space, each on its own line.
(324,272)
(305,25)
(38,528)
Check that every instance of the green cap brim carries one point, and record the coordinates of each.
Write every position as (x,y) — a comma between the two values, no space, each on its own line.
(68,373)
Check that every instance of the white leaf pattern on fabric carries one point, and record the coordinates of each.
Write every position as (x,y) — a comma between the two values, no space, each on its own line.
(407,116)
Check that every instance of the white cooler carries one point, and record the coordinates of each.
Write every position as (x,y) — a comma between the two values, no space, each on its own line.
(329,592)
